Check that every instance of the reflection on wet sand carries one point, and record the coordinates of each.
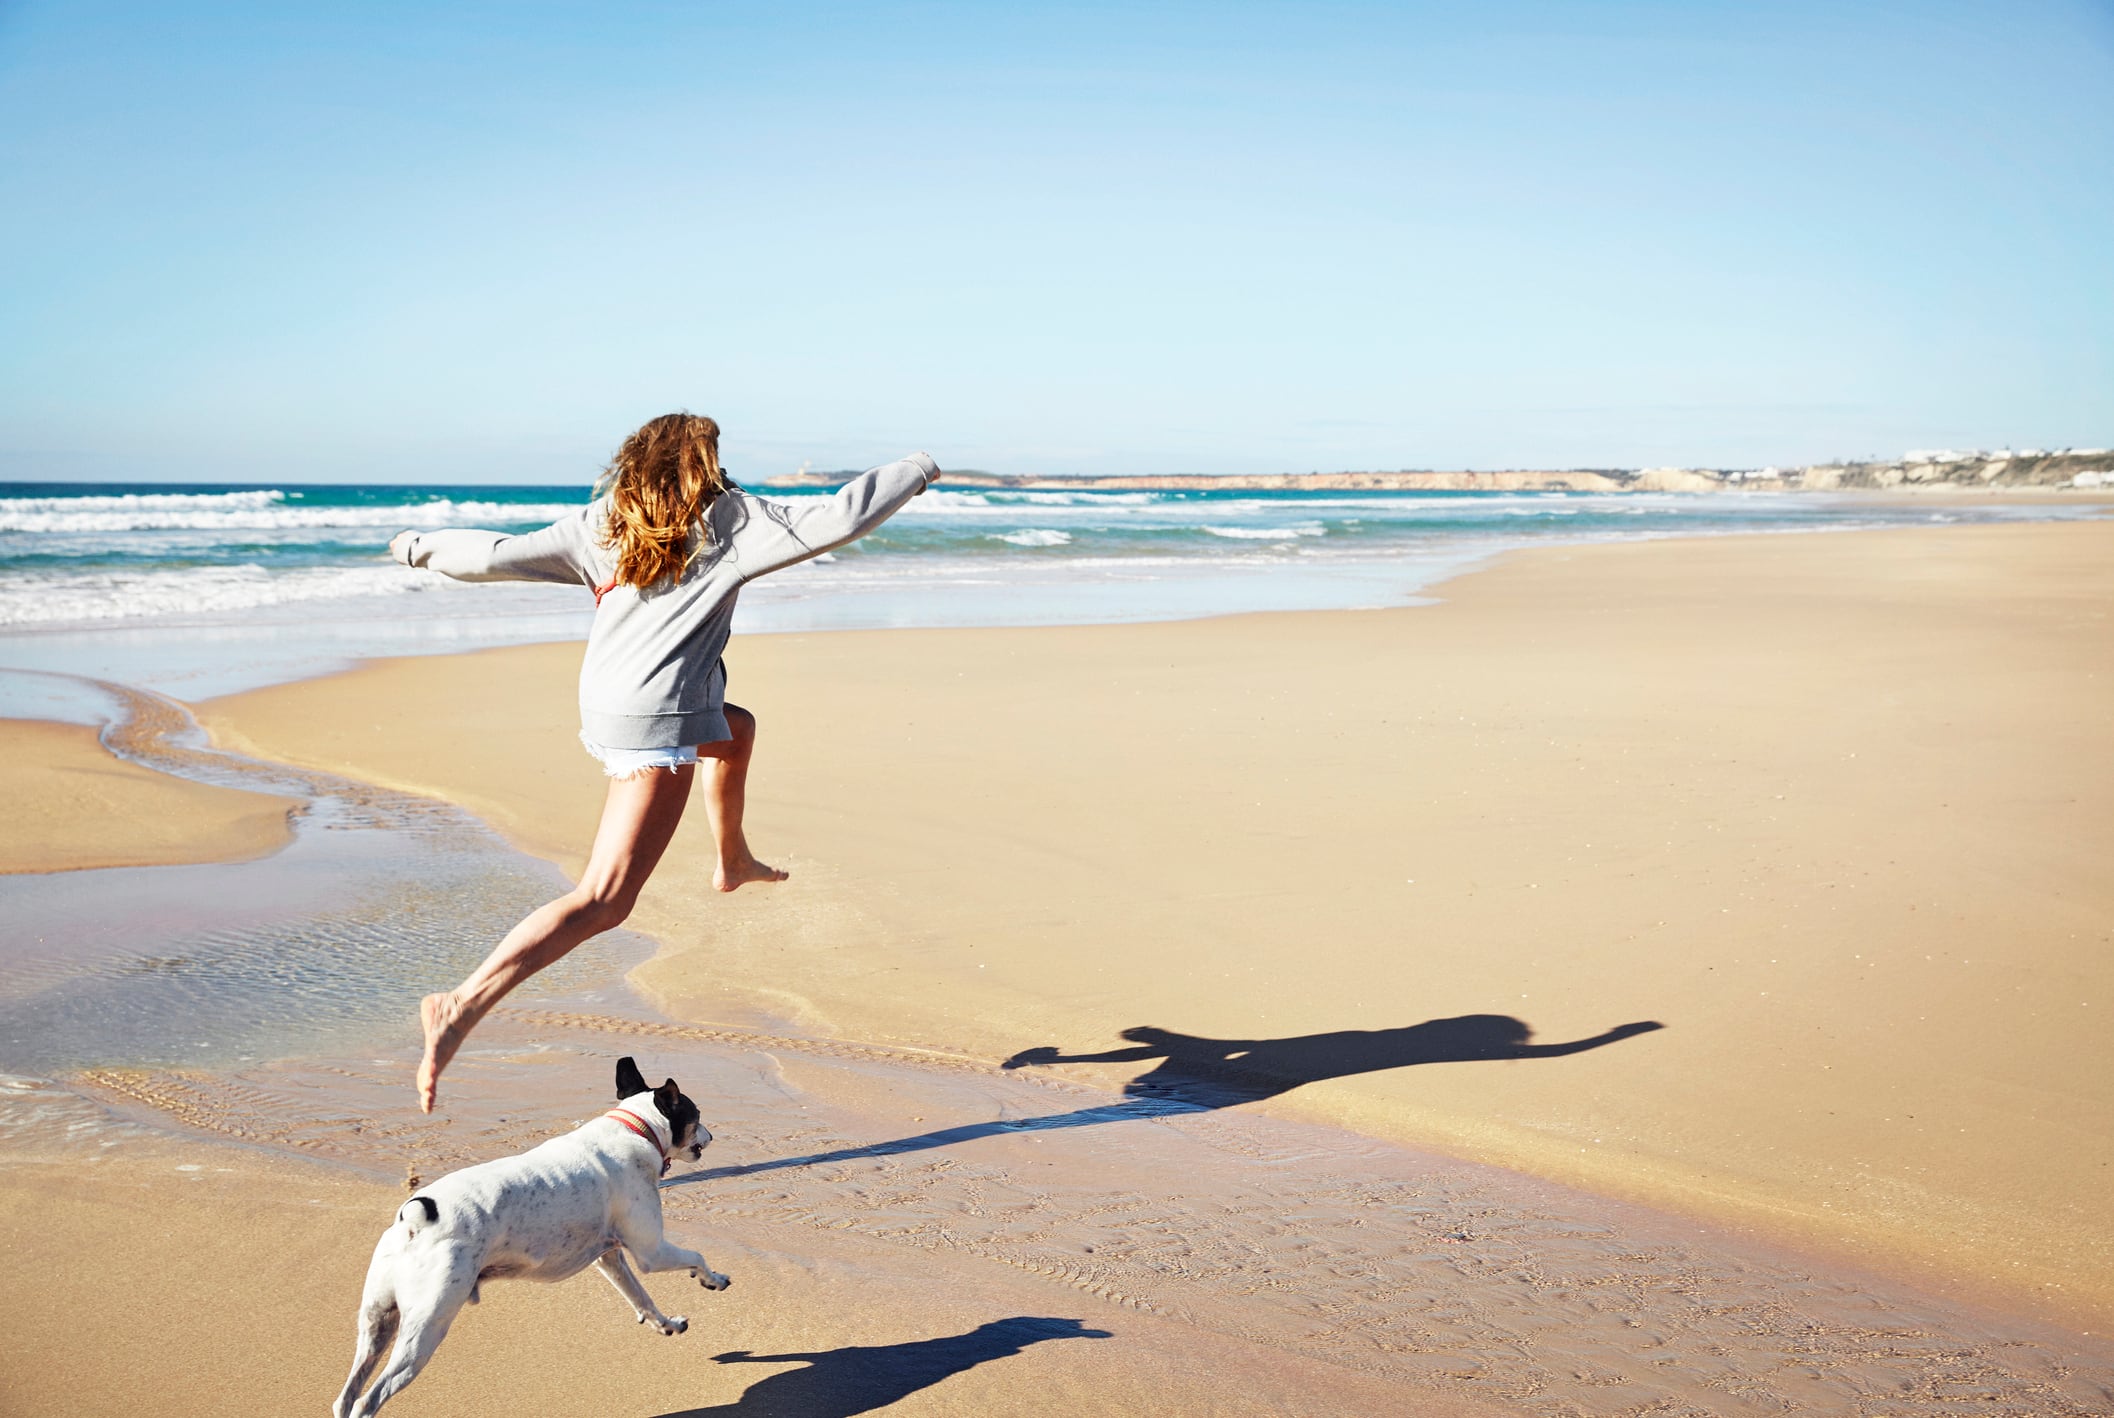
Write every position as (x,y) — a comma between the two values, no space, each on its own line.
(327,942)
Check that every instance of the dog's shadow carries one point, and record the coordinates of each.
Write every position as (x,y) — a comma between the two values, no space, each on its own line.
(838,1383)
(1193,1073)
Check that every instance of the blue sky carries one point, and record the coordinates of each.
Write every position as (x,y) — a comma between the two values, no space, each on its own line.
(481,242)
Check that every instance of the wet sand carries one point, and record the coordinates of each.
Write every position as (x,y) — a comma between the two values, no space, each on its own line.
(175,1278)
(909,1228)
(1835,810)
(72,806)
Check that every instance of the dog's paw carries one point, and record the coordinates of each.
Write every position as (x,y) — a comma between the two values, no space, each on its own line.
(673,1325)
(711,1279)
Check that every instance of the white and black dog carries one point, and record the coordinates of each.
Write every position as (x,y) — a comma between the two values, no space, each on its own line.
(578,1200)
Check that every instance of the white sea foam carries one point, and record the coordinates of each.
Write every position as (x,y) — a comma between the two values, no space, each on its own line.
(125,595)
(981,505)
(1034,537)
(987,500)
(1079,499)
(930,501)
(254,511)
(1008,505)
(1270,534)
(156,501)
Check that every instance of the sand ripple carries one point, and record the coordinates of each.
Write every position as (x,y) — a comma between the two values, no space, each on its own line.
(1419,1269)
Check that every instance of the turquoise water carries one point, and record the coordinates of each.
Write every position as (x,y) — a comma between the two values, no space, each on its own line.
(204,587)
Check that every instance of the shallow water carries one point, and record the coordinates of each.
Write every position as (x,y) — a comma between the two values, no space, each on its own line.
(380,898)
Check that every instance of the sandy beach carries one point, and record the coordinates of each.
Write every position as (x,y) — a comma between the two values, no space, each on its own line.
(73,806)
(1833,810)
(243,1312)
(1659,973)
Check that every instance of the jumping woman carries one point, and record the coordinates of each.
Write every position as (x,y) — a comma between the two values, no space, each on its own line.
(666,546)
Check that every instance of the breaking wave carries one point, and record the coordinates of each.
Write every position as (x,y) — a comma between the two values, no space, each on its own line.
(263,511)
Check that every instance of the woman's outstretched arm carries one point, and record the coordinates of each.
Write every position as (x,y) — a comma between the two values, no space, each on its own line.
(781,533)
(563,552)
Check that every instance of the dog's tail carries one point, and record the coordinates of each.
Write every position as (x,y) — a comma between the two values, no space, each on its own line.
(417,1214)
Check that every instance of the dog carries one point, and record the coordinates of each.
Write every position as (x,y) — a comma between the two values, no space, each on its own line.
(578,1200)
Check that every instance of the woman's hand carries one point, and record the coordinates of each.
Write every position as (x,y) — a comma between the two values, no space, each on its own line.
(400,547)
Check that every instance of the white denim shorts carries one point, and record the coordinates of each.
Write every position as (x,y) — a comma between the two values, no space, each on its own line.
(628,762)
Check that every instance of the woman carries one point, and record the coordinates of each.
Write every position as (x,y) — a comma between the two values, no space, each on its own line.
(666,546)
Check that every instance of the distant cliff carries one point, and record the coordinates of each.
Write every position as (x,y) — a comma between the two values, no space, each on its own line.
(2072,467)
(2029,468)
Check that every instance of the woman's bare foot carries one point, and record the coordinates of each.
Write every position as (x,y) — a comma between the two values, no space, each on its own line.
(729,876)
(441,1015)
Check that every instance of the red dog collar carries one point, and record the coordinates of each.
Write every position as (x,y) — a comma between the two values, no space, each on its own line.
(632,1121)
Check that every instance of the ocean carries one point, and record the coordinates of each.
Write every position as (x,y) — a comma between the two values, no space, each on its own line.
(195,589)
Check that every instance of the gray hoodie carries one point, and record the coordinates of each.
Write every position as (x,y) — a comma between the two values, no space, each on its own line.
(652,676)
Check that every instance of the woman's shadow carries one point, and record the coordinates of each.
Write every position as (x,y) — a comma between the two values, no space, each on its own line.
(1199,1074)
(1220,1073)
(861,1378)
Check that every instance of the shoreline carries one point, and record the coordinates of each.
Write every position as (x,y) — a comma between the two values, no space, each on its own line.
(1329,559)
(551,816)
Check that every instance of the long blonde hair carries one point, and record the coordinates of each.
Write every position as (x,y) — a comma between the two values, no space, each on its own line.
(659,485)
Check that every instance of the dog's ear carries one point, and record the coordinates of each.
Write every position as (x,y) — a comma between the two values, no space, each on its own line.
(629,1080)
(664,1098)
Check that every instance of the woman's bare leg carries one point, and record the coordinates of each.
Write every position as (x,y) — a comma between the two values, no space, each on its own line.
(638,817)
(726,766)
